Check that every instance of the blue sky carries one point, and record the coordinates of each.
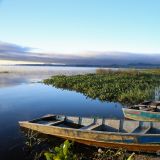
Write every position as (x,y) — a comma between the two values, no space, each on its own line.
(75,26)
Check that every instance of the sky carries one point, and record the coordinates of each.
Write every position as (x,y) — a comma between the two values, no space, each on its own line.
(79,27)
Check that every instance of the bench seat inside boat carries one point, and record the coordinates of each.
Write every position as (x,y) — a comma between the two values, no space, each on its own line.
(91,126)
(141,130)
(54,123)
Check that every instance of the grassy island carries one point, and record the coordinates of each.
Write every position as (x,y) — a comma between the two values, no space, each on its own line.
(127,86)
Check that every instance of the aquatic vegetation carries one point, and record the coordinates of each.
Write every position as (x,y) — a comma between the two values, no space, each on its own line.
(127,87)
(108,154)
(32,139)
(34,144)
(64,152)
(70,151)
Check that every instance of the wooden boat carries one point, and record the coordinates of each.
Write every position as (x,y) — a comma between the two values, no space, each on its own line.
(127,134)
(147,111)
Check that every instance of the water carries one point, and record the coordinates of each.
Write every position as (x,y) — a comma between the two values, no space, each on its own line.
(15,75)
(25,100)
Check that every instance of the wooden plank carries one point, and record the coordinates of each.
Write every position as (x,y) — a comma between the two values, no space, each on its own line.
(91,126)
(54,123)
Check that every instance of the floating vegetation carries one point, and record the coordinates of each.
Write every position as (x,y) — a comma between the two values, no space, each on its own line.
(127,87)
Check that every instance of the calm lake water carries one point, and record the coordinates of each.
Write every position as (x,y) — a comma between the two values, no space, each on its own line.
(25,100)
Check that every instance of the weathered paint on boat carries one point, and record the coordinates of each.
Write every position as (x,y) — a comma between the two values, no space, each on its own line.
(118,134)
(141,115)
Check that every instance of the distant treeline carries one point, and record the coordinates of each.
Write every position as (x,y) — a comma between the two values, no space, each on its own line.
(4,71)
(136,65)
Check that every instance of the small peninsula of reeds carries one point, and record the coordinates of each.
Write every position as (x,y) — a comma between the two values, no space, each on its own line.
(124,86)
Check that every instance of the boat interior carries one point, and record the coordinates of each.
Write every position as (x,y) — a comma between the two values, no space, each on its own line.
(100,124)
(153,106)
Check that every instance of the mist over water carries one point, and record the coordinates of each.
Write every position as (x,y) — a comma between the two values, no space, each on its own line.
(15,75)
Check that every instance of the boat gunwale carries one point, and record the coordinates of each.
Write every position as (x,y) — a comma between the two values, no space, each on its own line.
(91,131)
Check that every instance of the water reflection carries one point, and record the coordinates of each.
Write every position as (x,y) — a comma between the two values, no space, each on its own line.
(7,80)
(27,101)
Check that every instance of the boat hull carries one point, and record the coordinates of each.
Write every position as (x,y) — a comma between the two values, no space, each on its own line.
(140,115)
(95,138)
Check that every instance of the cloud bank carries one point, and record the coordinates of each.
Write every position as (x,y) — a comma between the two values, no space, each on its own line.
(12,48)
(15,52)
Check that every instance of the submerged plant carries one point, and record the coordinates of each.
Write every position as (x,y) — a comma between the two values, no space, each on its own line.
(63,152)
(34,144)
(32,139)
